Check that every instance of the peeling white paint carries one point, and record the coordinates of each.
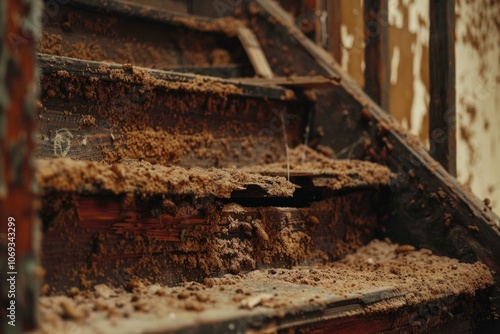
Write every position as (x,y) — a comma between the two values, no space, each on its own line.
(347,43)
(418,12)
(419,107)
(395,16)
(418,24)
(404,123)
(478,156)
(477,81)
(396,56)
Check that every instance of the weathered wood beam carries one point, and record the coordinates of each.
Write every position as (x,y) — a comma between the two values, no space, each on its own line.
(125,73)
(254,52)
(20,234)
(376,14)
(150,13)
(301,82)
(127,33)
(442,107)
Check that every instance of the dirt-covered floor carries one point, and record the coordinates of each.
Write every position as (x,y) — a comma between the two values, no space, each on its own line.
(415,276)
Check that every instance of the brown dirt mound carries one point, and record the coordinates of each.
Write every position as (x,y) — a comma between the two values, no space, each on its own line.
(69,175)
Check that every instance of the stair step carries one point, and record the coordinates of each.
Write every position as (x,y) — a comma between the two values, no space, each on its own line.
(102,111)
(107,30)
(363,293)
(169,224)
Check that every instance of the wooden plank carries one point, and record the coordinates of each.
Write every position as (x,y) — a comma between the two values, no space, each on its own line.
(105,70)
(271,300)
(20,230)
(127,33)
(402,321)
(442,107)
(377,51)
(108,105)
(302,82)
(254,53)
(136,236)
(142,10)
(227,71)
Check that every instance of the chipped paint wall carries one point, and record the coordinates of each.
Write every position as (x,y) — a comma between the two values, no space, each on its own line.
(352,39)
(408,50)
(478,96)
(477,72)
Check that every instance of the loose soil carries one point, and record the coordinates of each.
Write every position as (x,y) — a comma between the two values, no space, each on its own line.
(67,175)
(138,306)
(327,172)
(80,34)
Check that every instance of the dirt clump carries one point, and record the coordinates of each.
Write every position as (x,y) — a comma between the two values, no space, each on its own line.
(67,175)
(91,36)
(326,172)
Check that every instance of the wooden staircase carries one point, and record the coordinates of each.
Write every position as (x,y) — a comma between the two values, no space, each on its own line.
(223,175)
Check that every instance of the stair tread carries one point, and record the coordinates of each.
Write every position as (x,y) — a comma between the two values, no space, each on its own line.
(128,33)
(128,176)
(98,110)
(67,175)
(378,279)
(155,78)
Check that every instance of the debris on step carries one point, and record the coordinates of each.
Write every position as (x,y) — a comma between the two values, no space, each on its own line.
(326,172)
(67,175)
(373,283)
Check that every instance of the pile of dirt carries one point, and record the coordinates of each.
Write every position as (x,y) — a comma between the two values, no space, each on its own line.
(191,120)
(67,175)
(80,34)
(414,276)
(327,172)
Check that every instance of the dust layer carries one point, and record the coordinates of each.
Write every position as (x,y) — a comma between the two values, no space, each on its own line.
(417,277)
(103,37)
(67,175)
(195,122)
(327,172)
